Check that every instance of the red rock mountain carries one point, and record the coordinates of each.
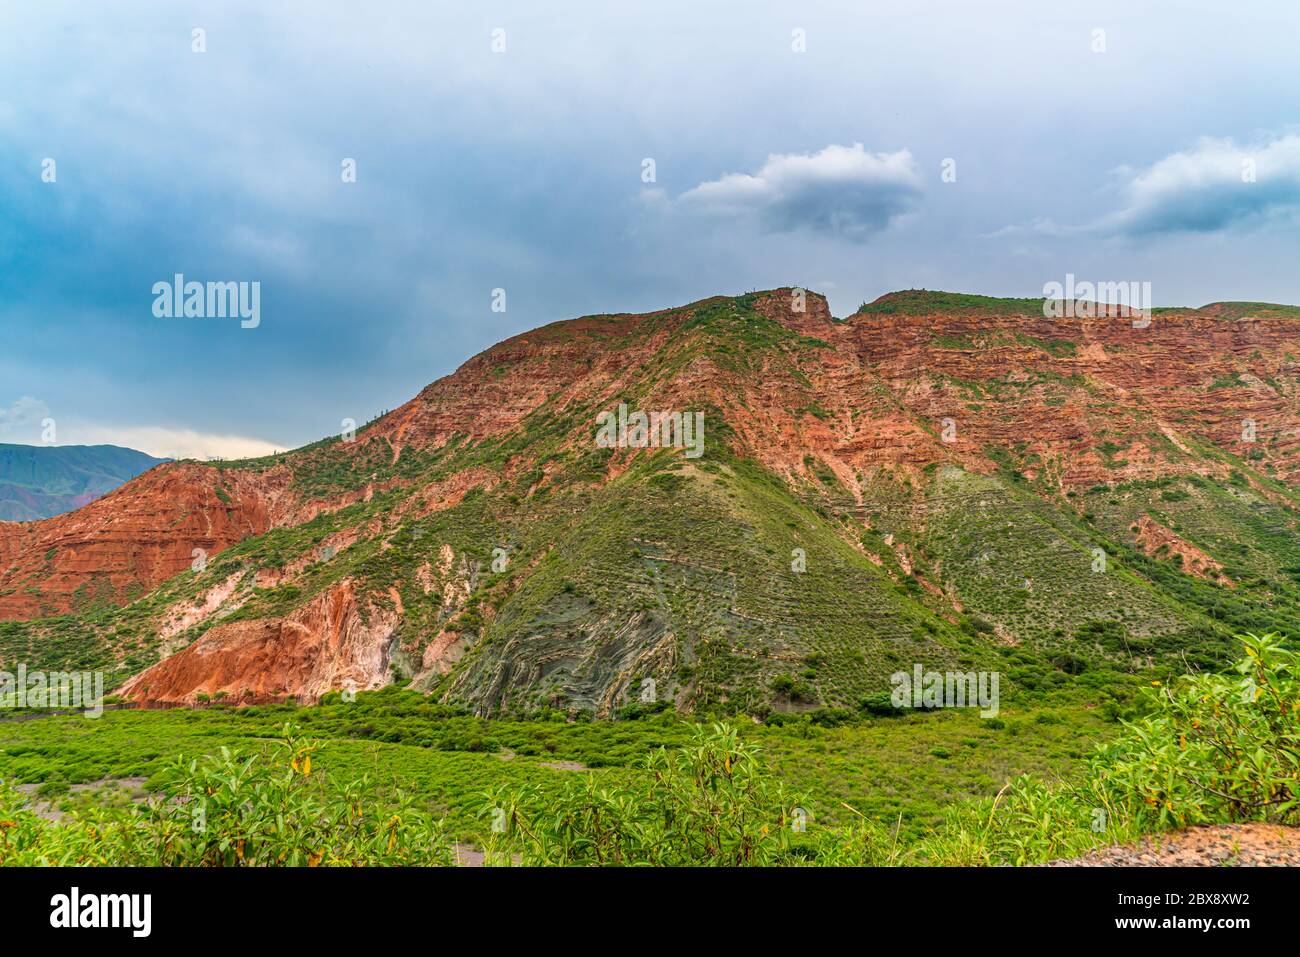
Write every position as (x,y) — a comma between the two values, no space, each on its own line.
(874,420)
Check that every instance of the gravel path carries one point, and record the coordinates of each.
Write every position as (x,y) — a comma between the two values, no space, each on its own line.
(1220,845)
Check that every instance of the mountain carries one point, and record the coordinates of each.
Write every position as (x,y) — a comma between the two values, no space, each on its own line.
(951,480)
(40,481)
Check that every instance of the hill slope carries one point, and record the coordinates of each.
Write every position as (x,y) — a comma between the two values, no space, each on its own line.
(41,481)
(951,481)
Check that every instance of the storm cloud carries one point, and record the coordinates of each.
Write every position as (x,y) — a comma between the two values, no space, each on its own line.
(841,191)
(1215,185)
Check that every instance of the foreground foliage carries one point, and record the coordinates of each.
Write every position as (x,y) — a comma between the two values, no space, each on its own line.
(1209,748)
(710,802)
(232,810)
(1213,748)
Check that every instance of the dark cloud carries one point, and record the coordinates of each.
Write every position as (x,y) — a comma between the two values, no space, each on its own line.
(842,191)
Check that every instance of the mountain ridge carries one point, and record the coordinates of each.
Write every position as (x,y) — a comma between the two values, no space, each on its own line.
(41,481)
(947,480)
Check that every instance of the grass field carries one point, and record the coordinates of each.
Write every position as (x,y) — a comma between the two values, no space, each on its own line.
(900,770)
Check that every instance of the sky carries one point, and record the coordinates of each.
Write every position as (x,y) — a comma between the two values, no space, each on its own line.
(409,183)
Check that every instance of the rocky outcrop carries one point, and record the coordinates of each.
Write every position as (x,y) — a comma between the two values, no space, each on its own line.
(335,641)
(134,538)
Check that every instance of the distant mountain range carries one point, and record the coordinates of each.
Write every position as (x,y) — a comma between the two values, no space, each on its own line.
(41,481)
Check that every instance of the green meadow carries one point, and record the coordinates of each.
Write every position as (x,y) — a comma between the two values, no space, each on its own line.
(904,770)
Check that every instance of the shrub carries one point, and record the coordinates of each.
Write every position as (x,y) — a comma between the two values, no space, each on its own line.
(1217,747)
(880,704)
(707,803)
(232,810)
(1214,748)
(1211,748)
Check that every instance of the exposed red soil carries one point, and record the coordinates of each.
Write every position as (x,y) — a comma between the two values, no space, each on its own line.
(326,644)
(139,535)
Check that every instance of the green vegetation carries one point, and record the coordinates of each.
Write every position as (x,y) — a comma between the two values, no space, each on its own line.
(913,302)
(876,760)
(1210,748)
(929,302)
(232,810)
(1258,310)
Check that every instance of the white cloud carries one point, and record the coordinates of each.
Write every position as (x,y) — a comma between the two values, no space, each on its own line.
(22,423)
(167,443)
(22,418)
(1214,186)
(842,191)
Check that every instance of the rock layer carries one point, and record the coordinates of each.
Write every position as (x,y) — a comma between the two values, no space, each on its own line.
(327,644)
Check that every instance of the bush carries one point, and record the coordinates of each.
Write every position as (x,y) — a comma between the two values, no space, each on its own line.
(232,810)
(707,803)
(1218,747)
(1211,748)
(881,704)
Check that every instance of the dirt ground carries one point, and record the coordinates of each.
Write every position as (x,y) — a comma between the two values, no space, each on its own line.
(1220,845)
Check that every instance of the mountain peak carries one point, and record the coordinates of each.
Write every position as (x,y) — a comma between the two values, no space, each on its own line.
(916,302)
